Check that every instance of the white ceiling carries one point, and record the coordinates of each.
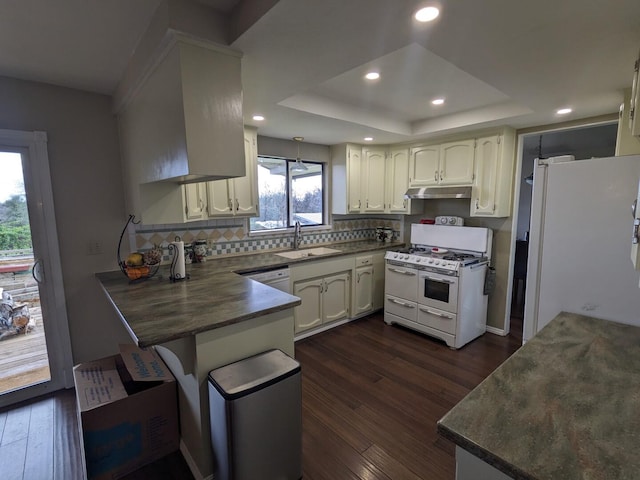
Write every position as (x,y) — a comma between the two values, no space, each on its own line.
(496,61)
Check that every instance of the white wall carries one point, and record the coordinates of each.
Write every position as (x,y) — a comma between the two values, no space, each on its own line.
(88,198)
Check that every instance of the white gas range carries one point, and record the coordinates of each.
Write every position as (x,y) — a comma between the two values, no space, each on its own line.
(437,286)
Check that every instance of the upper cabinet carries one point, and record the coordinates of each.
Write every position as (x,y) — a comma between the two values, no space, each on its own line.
(346,178)
(237,196)
(445,164)
(370,180)
(493,184)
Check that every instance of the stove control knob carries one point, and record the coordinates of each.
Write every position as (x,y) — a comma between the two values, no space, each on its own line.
(430,260)
(452,221)
(437,262)
(418,260)
(406,257)
(395,255)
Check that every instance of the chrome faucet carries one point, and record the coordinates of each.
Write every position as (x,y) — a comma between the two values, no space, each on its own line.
(297,236)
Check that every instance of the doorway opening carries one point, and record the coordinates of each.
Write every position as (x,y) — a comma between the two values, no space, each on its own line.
(581,142)
(24,360)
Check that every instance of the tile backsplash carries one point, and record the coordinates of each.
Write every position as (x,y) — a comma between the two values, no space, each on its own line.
(231,236)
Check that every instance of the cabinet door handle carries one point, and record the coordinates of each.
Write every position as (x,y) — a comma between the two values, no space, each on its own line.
(404,203)
(477,207)
(359,204)
(636,226)
(230,204)
(435,176)
(441,174)
(237,205)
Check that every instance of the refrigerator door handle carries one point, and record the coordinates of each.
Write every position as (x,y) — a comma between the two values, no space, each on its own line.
(634,206)
(636,225)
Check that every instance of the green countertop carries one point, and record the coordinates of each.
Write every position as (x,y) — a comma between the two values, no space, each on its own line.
(156,310)
(565,406)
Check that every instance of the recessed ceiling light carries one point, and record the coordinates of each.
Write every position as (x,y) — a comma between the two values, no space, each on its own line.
(437,101)
(372,76)
(563,111)
(258,118)
(427,14)
(368,139)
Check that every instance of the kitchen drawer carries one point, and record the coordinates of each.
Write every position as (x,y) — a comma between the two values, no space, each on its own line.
(400,307)
(438,319)
(364,260)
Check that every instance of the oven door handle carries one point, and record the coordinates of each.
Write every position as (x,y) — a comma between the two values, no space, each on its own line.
(441,280)
(437,314)
(398,302)
(402,272)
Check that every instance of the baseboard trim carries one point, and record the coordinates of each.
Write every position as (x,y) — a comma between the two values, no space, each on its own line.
(497,331)
(192,464)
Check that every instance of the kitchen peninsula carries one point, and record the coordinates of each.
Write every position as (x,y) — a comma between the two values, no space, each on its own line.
(214,318)
(564,406)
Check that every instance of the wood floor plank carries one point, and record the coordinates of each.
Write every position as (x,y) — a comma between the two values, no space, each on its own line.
(17,425)
(67,456)
(39,455)
(12,459)
(370,382)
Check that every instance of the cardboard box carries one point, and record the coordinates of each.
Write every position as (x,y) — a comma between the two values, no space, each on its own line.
(127,410)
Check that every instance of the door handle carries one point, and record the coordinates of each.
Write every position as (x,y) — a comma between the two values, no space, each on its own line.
(398,302)
(402,272)
(634,206)
(636,226)
(437,314)
(441,280)
(37,266)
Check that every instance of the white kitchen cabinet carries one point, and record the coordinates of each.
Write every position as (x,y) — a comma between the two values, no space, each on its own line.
(424,165)
(309,313)
(324,286)
(492,188)
(373,180)
(195,201)
(456,163)
(324,300)
(397,183)
(236,196)
(336,297)
(444,164)
(363,285)
(346,179)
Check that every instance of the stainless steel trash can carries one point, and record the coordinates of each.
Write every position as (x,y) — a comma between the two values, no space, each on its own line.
(256,418)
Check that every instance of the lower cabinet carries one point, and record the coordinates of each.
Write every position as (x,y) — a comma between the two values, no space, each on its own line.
(337,288)
(364,290)
(324,300)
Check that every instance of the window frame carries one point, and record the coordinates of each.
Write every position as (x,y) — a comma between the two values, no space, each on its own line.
(289,197)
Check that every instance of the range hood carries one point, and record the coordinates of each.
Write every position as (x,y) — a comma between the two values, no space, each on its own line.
(438,192)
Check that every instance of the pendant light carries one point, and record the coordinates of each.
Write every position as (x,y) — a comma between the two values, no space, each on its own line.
(299,166)
(529,179)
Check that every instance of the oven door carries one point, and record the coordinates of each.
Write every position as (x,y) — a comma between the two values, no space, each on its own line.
(438,291)
(401,282)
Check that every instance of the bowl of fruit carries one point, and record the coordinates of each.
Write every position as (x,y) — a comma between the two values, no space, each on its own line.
(139,265)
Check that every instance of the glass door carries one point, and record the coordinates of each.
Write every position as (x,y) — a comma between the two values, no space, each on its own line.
(35,352)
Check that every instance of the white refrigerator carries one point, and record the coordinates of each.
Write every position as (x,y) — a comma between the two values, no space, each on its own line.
(580,241)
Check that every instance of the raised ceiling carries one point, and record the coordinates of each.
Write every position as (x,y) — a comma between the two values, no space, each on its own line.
(496,62)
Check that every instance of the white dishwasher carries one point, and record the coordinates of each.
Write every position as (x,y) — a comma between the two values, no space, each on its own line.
(276,277)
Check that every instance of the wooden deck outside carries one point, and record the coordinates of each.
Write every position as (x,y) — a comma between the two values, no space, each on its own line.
(23,358)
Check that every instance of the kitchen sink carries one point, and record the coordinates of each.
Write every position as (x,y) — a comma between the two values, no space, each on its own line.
(308,252)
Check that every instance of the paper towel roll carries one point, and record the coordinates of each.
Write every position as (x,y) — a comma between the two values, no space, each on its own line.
(178,269)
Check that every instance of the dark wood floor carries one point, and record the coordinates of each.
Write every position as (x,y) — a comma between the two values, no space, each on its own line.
(371,397)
